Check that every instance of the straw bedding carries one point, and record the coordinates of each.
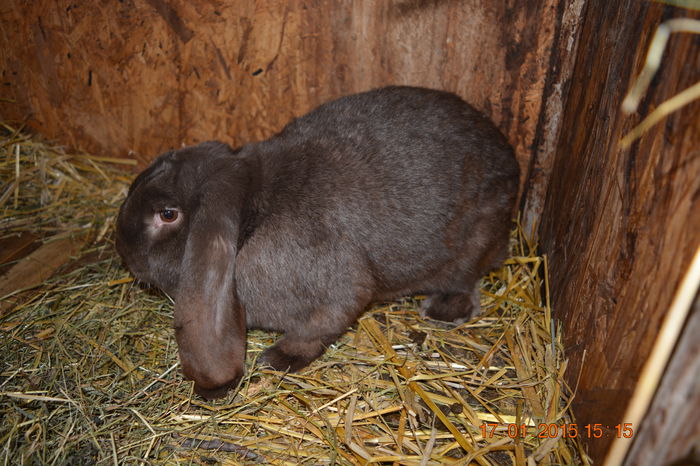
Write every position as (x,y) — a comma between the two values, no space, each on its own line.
(89,371)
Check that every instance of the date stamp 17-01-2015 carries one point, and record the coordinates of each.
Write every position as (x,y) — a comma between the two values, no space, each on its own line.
(488,430)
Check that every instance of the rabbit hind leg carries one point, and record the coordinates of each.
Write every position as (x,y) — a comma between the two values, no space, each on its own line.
(452,307)
(459,300)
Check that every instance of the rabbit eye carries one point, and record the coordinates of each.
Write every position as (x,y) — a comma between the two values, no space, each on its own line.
(168,215)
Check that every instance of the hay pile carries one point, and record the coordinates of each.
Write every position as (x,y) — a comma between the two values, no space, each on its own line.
(89,370)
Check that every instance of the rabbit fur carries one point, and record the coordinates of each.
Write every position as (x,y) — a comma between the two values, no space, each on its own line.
(373,196)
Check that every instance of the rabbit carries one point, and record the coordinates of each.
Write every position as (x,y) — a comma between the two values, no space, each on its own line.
(374,196)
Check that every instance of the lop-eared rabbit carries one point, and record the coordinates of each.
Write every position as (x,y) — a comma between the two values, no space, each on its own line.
(373,196)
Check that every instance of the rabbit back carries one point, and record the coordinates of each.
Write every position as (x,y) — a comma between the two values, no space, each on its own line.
(391,192)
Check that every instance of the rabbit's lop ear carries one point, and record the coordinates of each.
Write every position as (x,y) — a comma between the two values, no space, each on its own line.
(210,324)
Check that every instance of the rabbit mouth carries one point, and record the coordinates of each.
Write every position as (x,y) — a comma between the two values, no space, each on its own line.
(139,270)
(140,275)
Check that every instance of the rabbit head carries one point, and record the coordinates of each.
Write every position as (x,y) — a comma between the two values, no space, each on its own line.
(178,230)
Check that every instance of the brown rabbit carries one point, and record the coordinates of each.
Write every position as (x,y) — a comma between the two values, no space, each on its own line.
(373,196)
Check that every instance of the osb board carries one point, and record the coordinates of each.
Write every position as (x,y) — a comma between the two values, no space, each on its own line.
(620,226)
(138,76)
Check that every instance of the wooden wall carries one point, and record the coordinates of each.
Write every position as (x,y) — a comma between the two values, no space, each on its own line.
(670,433)
(134,77)
(620,226)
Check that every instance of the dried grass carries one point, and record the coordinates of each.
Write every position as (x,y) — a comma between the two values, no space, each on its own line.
(90,373)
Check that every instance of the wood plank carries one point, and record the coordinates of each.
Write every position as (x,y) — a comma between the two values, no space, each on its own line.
(556,90)
(17,246)
(674,410)
(620,226)
(35,268)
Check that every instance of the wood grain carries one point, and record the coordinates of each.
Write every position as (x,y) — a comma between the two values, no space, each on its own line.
(669,432)
(620,226)
(17,246)
(556,91)
(36,267)
(137,77)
